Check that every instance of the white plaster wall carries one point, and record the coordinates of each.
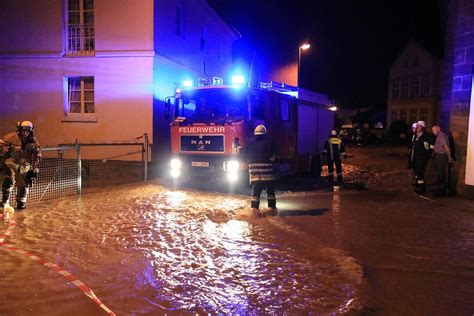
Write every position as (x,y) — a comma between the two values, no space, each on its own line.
(185,50)
(33,26)
(123,25)
(32,89)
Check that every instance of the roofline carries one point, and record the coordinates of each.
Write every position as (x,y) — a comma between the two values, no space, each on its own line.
(417,43)
(231,27)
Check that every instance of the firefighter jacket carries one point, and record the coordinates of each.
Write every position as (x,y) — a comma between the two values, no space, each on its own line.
(421,148)
(260,156)
(334,148)
(21,154)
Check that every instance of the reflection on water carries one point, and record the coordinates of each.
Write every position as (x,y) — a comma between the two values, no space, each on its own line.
(146,250)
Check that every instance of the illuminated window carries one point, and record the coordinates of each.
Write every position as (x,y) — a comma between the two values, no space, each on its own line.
(413,115)
(395,89)
(179,20)
(80,27)
(425,85)
(284,110)
(424,114)
(81,95)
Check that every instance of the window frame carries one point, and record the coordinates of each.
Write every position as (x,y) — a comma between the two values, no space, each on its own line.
(79,37)
(81,116)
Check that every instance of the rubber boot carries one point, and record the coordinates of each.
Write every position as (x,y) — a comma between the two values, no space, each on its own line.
(21,198)
(5,197)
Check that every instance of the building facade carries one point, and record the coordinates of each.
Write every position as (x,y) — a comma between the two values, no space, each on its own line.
(414,86)
(457,103)
(100,70)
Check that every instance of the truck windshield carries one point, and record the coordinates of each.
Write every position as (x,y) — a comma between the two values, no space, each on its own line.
(211,105)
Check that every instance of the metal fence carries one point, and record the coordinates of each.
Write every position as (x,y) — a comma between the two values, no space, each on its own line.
(68,168)
(80,40)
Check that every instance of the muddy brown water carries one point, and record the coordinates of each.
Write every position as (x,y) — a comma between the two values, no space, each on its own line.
(146,250)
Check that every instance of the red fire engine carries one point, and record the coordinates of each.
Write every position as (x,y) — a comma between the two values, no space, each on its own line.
(210,122)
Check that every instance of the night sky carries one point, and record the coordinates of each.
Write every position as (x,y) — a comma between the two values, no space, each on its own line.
(353,42)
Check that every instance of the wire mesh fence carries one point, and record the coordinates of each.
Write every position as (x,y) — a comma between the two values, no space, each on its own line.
(66,169)
(112,164)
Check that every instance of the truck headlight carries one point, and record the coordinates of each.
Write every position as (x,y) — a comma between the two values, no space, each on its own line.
(175,173)
(232,166)
(175,164)
(232,176)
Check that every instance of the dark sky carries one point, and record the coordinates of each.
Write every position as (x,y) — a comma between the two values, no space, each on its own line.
(353,42)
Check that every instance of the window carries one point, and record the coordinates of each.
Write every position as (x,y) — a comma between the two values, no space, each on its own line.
(404,90)
(179,20)
(81,96)
(258,110)
(425,85)
(285,110)
(395,89)
(415,87)
(403,115)
(80,27)
(424,114)
(203,38)
(413,115)
(394,115)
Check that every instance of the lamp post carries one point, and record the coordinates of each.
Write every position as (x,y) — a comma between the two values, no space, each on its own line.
(305,46)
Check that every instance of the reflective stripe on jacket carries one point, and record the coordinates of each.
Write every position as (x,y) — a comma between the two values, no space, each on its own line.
(334,147)
(261,172)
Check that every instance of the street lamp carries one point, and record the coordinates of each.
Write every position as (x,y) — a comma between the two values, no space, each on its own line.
(305,46)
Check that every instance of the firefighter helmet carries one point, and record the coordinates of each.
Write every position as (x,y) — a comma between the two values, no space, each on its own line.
(25,125)
(421,123)
(260,130)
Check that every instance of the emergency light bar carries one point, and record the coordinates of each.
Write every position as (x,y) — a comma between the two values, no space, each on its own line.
(277,86)
(214,81)
(238,80)
(187,83)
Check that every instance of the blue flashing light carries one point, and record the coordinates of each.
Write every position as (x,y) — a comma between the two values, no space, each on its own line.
(187,83)
(238,80)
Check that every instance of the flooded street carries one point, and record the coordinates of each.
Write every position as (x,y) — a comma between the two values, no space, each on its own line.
(146,249)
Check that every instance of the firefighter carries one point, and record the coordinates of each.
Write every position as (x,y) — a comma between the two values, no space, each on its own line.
(22,155)
(421,150)
(335,150)
(410,145)
(261,158)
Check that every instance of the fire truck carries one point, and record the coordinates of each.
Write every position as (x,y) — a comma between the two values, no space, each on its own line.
(210,123)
